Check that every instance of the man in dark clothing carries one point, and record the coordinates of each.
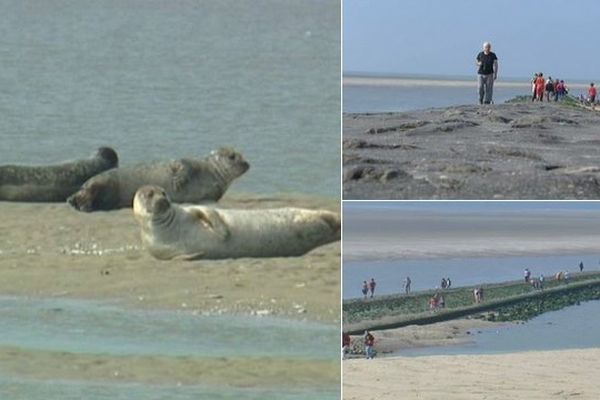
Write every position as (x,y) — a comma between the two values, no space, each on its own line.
(487,72)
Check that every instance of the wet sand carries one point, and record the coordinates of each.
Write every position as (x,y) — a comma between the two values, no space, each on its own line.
(51,250)
(446,333)
(506,151)
(241,372)
(538,375)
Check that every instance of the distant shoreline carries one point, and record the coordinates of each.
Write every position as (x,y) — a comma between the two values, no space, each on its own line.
(390,81)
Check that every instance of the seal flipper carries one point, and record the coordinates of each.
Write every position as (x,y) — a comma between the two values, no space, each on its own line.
(190,257)
(180,173)
(211,220)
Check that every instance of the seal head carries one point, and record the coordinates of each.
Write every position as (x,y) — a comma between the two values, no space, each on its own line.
(150,202)
(228,163)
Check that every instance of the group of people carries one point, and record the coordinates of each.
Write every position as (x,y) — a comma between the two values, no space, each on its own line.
(554,89)
(368,342)
(446,283)
(536,283)
(369,287)
(437,301)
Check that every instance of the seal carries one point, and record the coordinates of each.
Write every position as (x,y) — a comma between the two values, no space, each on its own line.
(204,232)
(186,181)
(52,183)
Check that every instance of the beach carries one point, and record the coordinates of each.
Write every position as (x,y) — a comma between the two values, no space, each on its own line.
(504,151)
(560,374)
(53,250)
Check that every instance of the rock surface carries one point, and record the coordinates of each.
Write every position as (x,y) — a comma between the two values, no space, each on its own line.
(506,151)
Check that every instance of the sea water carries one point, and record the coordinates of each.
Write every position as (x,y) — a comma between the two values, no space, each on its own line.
(77,326)
(162,80)
(426,274)
(574,327)
(377,98)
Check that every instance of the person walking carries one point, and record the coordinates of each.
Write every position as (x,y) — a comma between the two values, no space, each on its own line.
(533,85)
(581,266)
(592,94)
(549,89)
(369,342)
(372,285)
(539,87)
(407,283)
(365,289)
(346,344)
(487,61)
(527,275)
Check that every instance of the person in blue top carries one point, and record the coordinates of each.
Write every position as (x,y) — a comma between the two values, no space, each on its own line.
(487,63)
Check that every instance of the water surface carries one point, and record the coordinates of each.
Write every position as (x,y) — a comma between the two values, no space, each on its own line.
(575,327)
(163,80)
(427,274)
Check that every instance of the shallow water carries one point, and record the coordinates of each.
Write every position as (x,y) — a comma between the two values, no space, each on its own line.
(163,80)
(365,98)
(93,327)
(19,389)
(78,326)
(574,327)
(427,273)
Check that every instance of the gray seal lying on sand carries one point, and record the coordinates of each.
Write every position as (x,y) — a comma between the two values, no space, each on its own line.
(185,180)
(199,232)
(52,182)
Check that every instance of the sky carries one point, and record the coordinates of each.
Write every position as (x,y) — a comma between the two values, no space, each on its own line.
(442,37)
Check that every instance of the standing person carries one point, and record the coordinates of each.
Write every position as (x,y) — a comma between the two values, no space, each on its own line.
(487,61)
(527,275)
(542,281)
(549,89)
(533,82)
(372,285)
(443,284)
(365,289)
(539,87)
(556,87)
(407,283)
(560,90)
(566,276)
(448,283)
(346,343)
(369,342)
(592,94)
(581,266)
